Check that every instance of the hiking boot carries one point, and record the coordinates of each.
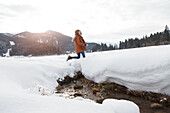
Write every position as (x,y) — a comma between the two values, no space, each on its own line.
(69,58)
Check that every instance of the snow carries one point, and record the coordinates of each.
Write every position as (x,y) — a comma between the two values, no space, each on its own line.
(12,43)
(7,54)
(56,42)
(40,41)
(25,103)
(8,34)
(144,69)
(27,85)
(21,36)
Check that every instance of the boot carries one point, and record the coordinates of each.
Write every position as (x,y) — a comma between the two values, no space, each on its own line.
(69,58)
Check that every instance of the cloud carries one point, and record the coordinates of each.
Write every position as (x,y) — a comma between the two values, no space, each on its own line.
(4,15)
(98,19)
(16,10)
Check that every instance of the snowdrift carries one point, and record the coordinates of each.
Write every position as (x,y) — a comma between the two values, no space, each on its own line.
(23,80)
(27,85)
(145,69)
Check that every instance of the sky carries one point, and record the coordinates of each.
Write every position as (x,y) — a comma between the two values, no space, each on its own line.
(99,20)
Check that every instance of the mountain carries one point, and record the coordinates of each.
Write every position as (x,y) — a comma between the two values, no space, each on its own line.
(47,43)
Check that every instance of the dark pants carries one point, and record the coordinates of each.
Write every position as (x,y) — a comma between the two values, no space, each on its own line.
(77,57)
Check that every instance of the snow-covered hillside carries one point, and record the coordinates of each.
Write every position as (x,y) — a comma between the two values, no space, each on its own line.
(146,69)
(24,79)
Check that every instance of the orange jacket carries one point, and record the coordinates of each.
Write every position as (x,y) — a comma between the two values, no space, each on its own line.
(80,44)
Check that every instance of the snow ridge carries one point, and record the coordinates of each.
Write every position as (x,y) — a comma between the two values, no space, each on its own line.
(25,79)
(145,69)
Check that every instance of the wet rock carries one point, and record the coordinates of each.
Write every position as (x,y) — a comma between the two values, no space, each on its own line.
(133,93)
(99,100)
(156,106)
(163,99)
(100,85)
(58,92)
(85,95)
(78,75)
(78,86)
(66,80)
(78,94)
(98,93)
(59,81)
(149,98)
(95,90)
(74,81)
(109,87)
(59,87)
(43,94)
(75,77)
(91,85)
(160,112)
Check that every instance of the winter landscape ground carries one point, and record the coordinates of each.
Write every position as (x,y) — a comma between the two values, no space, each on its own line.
(27,84)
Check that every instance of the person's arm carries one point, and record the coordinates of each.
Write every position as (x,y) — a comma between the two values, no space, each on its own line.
(74,39)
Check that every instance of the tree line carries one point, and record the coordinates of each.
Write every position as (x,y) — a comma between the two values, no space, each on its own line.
(35,50)
(104,47)
(159,38)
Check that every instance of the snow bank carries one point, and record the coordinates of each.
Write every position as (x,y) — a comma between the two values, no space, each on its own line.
(146,69)
(25,103)
(28,72)
(24,81)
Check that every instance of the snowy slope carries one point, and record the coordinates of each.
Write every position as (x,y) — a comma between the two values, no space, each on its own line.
(23,81)
(146,69)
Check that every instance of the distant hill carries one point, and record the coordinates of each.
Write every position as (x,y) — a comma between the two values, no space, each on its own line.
(47,43)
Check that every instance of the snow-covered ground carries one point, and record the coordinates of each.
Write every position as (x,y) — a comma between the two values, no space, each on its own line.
(24,80)
(27,85)
(146,69)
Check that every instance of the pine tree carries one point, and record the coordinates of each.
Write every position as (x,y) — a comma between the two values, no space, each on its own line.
(120,45)
(166,28)
(126,44)
(110,47)
(166,33)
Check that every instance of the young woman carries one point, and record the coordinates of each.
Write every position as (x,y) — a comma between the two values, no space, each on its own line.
(80,45)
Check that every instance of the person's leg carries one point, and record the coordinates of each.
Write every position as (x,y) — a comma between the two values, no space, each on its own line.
(83,54)
(76,57)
